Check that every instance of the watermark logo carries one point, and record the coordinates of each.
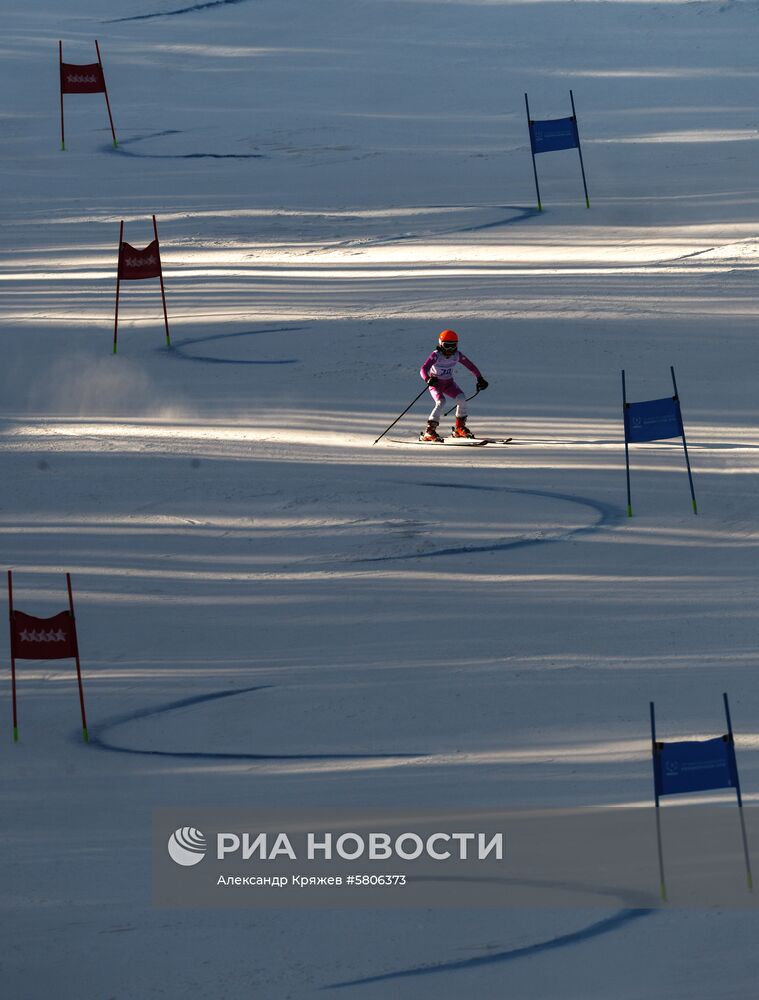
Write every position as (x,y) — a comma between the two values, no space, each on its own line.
(187,846)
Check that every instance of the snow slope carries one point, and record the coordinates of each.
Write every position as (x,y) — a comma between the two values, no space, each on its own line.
(334,183)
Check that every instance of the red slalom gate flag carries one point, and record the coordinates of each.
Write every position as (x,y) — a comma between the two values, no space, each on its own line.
(44,639)
(76,79)
(133,265)
(86,78)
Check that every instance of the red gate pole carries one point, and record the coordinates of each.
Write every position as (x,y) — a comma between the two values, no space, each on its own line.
(60,84)
(160,275)
(105,91)
(78,665)
(118,286)
(13,660)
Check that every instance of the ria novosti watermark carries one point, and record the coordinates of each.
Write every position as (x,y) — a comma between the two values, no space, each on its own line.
(449,858)
(374,846)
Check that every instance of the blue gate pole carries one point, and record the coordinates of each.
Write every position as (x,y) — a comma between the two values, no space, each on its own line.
(579,149)
(749,876)
(532,152)
(627,448)
(685,443)
(662,883)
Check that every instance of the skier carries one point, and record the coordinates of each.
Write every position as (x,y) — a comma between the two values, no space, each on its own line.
(437,372)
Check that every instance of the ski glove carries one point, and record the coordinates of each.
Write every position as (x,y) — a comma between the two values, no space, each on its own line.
(432,381)
(481,384)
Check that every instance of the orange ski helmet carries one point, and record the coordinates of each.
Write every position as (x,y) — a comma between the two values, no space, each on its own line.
(448,342)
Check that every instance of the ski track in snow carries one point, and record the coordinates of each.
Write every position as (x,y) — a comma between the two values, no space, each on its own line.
(184,156)
(522,215)
(594,930)
(108,148)
(187,156)
(608,516)
(173,13)
(177,351)
(98,738)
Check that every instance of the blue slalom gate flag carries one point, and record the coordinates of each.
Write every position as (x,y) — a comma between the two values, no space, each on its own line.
(549,134)
(653,420)
(554,133)
(695,766)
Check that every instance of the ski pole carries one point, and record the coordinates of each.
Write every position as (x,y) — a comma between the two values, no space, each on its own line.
(449,412)
(400,415)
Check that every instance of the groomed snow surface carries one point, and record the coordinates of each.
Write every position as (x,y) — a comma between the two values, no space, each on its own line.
(335,182)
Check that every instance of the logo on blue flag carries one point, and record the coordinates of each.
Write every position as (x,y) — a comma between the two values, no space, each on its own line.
(653,420)
(554,133)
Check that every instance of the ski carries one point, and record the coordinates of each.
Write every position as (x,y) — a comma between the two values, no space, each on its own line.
(472,442)
(458,442)
(475,441)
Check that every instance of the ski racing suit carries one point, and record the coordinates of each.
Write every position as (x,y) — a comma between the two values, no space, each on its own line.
(442,368)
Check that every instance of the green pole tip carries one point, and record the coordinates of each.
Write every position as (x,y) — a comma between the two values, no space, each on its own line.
(115,143)
(663,891)
(15,735)
(86,736)
(629,511)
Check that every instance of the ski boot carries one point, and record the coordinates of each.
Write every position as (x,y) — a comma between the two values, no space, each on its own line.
(430,434)
(461,430)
